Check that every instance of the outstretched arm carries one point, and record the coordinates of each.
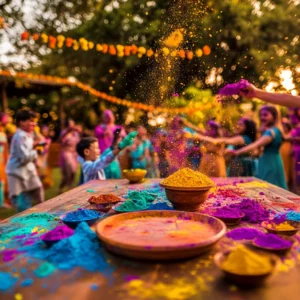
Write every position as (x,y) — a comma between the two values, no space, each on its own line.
(276,98)
(263,141)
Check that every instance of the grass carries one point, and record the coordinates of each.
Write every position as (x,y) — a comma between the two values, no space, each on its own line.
(49,193)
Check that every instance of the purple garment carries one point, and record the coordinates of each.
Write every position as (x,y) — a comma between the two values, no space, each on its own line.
(105,135)
(296,149)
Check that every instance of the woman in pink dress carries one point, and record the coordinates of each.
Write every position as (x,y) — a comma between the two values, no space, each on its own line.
(68,157)
(105,133)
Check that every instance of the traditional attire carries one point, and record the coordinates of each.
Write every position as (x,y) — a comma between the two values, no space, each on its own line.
(270,167)
(287,160)
(296,149)
(23,181)
(3,159)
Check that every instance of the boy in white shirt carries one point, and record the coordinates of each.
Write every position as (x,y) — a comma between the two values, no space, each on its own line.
(92,162)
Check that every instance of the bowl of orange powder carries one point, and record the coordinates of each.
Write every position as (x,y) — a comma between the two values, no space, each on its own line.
(187,189)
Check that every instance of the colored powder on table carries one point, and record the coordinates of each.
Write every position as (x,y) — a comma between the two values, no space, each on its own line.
(281,226)
(226,212)
(27,282)
(187,177)
(82,249)
(6,281)
(44,270)
(58,233)
(81,215)
(254,212)
(38,219)
(160,206)
(293,216)
(243,261)
(243,234)
(272,241)
(234,88)
(9,254)
(106,198)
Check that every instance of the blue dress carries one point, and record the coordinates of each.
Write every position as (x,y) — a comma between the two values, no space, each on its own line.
(270,166)
(242,165)
(137,154)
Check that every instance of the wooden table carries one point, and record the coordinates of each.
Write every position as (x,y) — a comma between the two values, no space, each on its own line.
(198,274)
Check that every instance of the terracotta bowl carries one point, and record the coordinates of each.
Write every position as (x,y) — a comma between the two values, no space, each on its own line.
(135,175)
(163,252)
(289,232)
(244,280)
(279,251)
(74,224)
(186,199)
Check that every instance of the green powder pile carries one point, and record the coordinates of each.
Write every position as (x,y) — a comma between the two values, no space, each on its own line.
(44,270)
(37,219)
(137,200)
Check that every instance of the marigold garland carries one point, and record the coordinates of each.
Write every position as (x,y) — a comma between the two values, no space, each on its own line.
(96,93)
(116,50)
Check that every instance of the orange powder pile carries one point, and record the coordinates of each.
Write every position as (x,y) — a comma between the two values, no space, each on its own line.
(188,178)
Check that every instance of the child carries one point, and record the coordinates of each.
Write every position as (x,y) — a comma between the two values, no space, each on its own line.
(92,163)
(24,183)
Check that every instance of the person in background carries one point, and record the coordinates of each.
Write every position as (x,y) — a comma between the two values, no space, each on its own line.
(270,167)
(23,181)
(68,157)
(92,162)
(105,135)
(3,158)
(194,156)
(295,137)
(286,152)
(275,98)
(212,162)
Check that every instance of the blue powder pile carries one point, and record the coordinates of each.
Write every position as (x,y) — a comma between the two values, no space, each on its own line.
(6,281)
(160,206)
(293,216)
(27,282)
(81,215)
(82,249)
(44,270)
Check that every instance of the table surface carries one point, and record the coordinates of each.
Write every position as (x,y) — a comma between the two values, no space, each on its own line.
(199,274)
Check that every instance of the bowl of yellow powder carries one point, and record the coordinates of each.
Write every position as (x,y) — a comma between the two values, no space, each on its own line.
(187,189)
(135,175)
(246,267)
(287,228)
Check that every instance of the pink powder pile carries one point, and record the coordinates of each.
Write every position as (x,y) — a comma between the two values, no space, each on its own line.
(226,212)
(58,233)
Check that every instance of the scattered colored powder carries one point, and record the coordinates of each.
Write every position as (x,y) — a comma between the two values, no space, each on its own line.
(243,261)
(37,219)
(82,249)
(272,241)
(18,296)
(281,226)
(106,198)
(27,282)
(179,289)
(187,177)
(6,281)
(44,270)
(226,212)
(293,216)
(94,287)
(81,215)
(254,212)
(137,200)
(58,233)
(160,206)
(243,234)
(9,254)
(233,89)
(90,191)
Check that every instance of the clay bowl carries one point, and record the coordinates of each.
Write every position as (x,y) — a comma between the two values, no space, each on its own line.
(74,224)
(289,232)
(279,251)
(162,252)
(230,221)
(244,280)
(135,175)
(103,207)
(186,199)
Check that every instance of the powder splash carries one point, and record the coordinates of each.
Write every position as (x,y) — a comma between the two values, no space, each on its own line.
(243,261)
(233,89)
(243,234)
(81,215)
(187,177)
(254,212)
(272,241)
(58,233)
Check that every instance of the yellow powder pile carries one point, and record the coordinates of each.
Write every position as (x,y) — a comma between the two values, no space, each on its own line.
(187,178)
(243,261)
(282,226)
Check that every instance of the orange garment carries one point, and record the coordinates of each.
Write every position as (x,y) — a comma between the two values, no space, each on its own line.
(212,162)
(288,161)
